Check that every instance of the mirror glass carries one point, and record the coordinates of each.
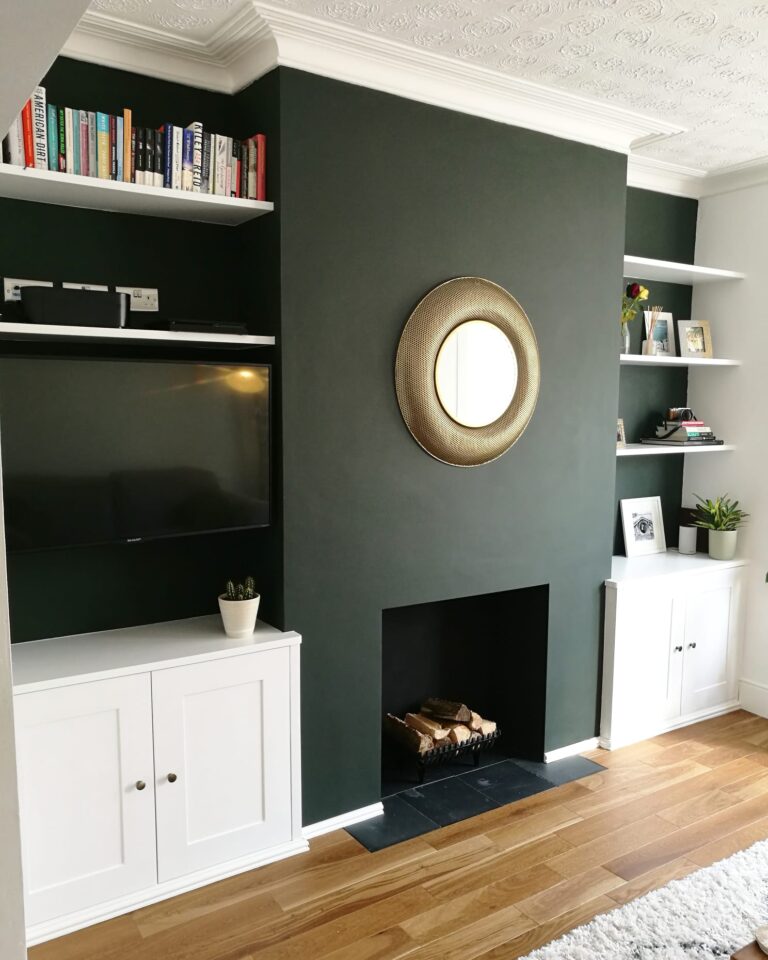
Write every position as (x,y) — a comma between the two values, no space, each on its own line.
(476,373)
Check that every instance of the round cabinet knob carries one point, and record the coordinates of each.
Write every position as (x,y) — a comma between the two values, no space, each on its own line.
(172,778)
(140,785)
(691,646)
(678,649)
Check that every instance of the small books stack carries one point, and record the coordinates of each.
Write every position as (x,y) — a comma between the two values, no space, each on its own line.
(678,433)
(93,144)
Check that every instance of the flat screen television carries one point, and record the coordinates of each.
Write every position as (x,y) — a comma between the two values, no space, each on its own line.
(104,451)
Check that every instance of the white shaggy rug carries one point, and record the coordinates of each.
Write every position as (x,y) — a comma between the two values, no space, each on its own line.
(706,915)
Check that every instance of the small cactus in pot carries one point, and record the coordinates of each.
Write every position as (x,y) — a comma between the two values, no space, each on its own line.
(239,606)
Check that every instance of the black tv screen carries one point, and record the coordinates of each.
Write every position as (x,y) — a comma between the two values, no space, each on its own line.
(99,451)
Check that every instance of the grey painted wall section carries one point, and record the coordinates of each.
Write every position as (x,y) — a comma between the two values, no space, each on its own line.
(382,199)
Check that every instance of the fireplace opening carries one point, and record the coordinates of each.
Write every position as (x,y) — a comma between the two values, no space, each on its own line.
(488,652)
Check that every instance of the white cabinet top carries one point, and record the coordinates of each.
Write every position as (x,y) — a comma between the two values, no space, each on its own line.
(41,664)
(671,563)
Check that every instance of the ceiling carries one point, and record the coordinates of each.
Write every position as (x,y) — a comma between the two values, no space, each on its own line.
(699,69)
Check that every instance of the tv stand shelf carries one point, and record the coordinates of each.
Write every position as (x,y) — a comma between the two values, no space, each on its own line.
(182,338)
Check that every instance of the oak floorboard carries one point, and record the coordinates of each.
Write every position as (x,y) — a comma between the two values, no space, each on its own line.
(493,887)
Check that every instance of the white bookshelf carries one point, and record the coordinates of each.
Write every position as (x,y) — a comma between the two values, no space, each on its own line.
(644,268)
(651,450)
(91,193)
(639,360)
(45,331)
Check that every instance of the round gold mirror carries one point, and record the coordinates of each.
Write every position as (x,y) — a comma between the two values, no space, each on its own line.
(467,372)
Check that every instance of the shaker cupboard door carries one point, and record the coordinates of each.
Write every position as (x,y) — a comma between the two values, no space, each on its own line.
(86,790)
(709,675)
(222,751)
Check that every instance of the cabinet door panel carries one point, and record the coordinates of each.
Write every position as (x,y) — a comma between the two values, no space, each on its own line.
(223,729)
(88,833)
(709,672)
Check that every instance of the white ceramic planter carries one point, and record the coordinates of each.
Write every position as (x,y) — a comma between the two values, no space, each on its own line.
(722,544)
(239,616)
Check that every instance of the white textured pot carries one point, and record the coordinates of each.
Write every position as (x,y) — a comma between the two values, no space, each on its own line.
(239,616)
(722,544)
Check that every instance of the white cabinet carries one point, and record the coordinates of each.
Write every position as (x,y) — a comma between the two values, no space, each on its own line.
(173,764)
(672,629)
(218,728)
(86,794)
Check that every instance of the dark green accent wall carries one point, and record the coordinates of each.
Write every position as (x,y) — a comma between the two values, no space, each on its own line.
(383,198)
(202,271)
(664,228)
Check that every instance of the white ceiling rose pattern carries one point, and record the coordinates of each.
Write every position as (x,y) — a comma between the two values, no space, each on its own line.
(700,66)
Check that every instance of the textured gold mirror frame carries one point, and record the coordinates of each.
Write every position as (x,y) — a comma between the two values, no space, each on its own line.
(444,308)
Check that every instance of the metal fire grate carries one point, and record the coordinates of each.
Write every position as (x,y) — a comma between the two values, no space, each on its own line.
(444,753)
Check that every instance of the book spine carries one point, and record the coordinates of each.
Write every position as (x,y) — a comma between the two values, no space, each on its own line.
(112,148)
(133,154)
(159,158)
(178,147)
(53,137)
(120,148)
(149,157)
(102,145)
(29,140)
(127,151)
(187,159)
(75,140)
(141,154)
(167,155)
(220,166)
(243,167)
(205,167)
(251,175)
(234,181)
(261,166)
(15,140)
(93,166)
(40,128)
(197,155)
(85,167)
(228,170)
(62,139)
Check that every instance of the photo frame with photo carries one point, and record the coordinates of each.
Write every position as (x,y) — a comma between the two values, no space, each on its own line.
(643,525)
(621,436)
(663,333)
(695,339)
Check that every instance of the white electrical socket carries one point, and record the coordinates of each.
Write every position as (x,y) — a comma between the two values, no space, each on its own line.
(143,299)
(12,287)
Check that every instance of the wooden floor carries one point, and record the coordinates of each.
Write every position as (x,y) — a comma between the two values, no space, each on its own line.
(495,887)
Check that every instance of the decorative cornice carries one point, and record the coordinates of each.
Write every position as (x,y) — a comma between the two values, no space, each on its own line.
(261,36)
(650,174)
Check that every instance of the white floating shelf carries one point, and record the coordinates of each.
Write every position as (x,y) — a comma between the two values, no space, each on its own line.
(68,190)
(643,268)
(40,331)
(639,360)
(651,450)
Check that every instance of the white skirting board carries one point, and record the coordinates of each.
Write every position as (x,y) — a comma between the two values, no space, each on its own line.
(754,697)
(143,898)
(674,725)
(572,750)
(343,820)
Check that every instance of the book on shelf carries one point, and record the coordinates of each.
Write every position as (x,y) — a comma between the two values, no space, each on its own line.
(698,442)
(86,143)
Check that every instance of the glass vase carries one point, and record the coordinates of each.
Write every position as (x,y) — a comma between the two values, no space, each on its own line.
(624,338)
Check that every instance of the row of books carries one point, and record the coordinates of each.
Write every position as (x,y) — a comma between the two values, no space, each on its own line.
(679,433)
(94,144)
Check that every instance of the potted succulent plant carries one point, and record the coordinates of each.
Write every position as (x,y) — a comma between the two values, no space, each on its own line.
(239,606)
(722,517)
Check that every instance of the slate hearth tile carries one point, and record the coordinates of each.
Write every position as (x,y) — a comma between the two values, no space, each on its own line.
(562,771)
(505,782)
(400,821)
(448,801)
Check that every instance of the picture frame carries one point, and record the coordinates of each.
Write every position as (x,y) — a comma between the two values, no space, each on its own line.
(695,339)
(663,333)
(643,525)
(621,436)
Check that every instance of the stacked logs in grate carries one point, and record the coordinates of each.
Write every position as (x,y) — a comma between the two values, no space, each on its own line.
(438,722)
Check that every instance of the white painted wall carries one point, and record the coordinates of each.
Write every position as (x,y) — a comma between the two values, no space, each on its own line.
(12,935)
(733,234)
